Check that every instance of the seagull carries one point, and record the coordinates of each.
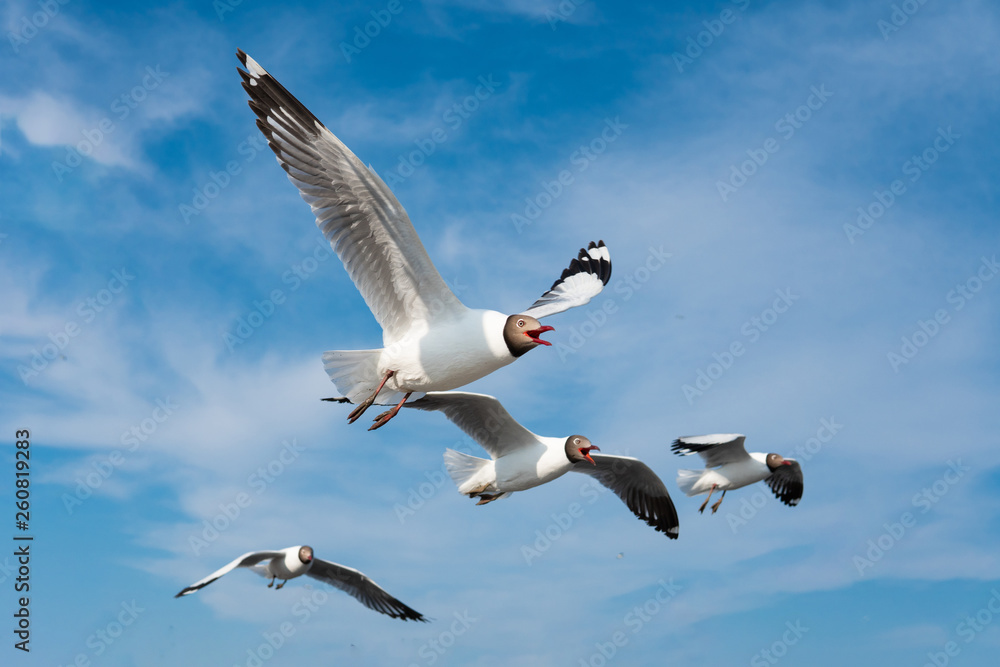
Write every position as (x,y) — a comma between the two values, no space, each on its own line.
(293,562)
(729,466)
(431,341)
(521,460)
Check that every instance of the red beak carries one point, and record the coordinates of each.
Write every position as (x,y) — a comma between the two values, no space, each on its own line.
(535,333)
(586,453)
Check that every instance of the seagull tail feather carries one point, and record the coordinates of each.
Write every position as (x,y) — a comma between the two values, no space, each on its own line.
(686,479)
(469,473)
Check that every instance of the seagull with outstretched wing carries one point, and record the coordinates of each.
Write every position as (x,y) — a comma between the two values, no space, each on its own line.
(294,562)
(520,460)
(431,341)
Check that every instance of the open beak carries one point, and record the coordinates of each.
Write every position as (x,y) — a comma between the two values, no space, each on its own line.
(586,452)
(535,333)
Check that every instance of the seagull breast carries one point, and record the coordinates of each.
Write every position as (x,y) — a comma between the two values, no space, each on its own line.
(532,466)
(290,566)
(451,353)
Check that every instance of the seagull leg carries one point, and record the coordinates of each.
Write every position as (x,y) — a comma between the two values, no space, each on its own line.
(715,507)
(488,498)
(367,403)
(272,583)
(705,504)
(281,584)
(384,418)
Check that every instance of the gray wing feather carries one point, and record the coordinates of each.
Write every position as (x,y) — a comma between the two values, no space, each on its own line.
(363,221)
(481,417)
(248,559)
(715,449)
(359,586)
(638,486)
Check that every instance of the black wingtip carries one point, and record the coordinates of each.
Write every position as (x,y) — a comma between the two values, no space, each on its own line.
(337,399)
(415,616)
(600,266)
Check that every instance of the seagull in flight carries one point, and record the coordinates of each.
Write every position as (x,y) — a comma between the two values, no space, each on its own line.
(430,340)
(520,460)
(293,562)
(728,466)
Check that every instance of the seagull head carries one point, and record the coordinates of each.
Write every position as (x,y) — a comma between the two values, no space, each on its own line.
(306,554)
(578,448)
(775,461)
(522,333)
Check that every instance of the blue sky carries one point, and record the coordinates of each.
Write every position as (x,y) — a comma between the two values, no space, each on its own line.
(820,175)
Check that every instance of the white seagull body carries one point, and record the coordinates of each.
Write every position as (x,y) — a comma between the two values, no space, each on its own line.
(431,341)
(520,460)
(729,466)
(294,562)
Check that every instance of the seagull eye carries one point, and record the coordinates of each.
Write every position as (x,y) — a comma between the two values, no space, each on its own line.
(576,441)
(520,323)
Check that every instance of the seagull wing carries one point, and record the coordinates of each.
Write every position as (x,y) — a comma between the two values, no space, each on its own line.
(584,279)
(716,449)
(638,486)
(481,417)
(246,560)
(786,483)
(366,591)
(357,213)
